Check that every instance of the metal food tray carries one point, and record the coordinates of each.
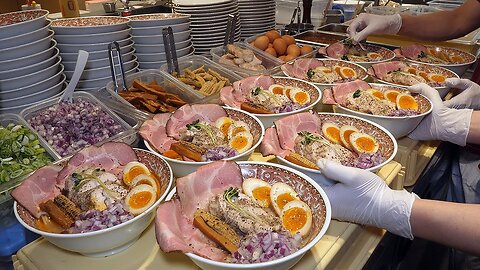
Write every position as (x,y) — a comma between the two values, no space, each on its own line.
(337,28)
(6,119)
(127,136)
(301,37)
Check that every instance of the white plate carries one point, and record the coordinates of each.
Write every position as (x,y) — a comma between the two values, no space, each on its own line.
(27,49)
(157,30)
(25,38)
(93,38)
(195,3)
(158,19)
(213,13)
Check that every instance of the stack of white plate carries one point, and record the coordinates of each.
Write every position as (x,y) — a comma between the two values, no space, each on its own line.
(258,16)
(30,69)
(93,34)
(148,37)
(209,21)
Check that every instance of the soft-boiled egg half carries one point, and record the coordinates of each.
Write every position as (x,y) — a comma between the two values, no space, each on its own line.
(363,143)
(348,73)
(376,93)
(374,56)
(237,127)
(297,217)
(241,142)
(224,123)
(140,198)
(406,102)
(277,89)
(280,195)
(132,170)
(145,179)
(345,132)
(299,96)
(391,95)
(331,132)
(257,189)
(438,78)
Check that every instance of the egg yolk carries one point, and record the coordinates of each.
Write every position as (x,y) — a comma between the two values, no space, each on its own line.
(283,199)
(374,55)
(378,94)
(392,96)
(365,143)
(237,130)
(301,97)
(294,219)
(132,173)
(334,133)
(239,142)
(278,90)
(348,72)
(438,78)
(140,199)
(407,102)
(346,135)
(456,58)
(423,75)
(262,194)
(224,127)
(412,71)
(337,69)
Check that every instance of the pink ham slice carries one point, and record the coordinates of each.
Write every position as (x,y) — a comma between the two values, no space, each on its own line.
(289,127)
(39,187)
(232,98)
(196,189)
(412,51)
(111,157)
(343,90)
(155,133)
(381,69)
(271,145)
(189,113)
(248,84)
(175,233)
(300,67)
(337,50)
(327,97)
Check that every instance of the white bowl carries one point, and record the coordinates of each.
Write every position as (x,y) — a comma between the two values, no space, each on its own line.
(34,97)
(103,62)
(389,141)
(160,48)
(73,48)
(18,109)
(399,126)
(308,190)
(181,168)
(25,38)
(92,38)
(158,39)
(154,57)
(157,30)
(29,59)
(21,81)
(95,55)
(30,69)
(101,82)
(33,88)
(158,19)
(89,25)
(389,55)
(112,240)
(96,73)
(26,21)
(27,49)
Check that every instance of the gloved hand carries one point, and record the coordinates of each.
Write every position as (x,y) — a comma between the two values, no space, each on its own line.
(468,98)
(368,24)
(362,197)
(442,123)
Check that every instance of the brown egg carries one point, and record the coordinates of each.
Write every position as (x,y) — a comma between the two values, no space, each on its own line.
(282,57)
(289,57)
(280,46)
(293,50)
(288,39)
(271,51)
(270,45)
(261,42)
(272,35)
(305,49)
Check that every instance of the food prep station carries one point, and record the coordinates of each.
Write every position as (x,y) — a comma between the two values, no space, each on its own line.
(200,52)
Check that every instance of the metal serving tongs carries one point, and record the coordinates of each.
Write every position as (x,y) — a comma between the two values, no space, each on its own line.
(349,39)
(296,15)
(112,65)
(230,34)
(170,50)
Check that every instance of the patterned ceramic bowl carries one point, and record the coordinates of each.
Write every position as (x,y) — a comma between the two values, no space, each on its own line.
(181,168)
(112,240)
(308,191)
(387,143)
(89,25)
(387,55)
(21,22)
(399,126)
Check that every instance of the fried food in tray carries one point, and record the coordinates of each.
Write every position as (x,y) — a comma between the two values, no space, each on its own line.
(205,80)
(151,97)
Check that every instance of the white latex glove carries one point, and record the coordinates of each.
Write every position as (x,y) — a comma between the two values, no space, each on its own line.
(362,197)
(368,24)
(468,98)
(442,123)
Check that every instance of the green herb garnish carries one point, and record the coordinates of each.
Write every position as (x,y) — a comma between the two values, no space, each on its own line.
(422,54)
(256,91)
(357,94)
(259,91)
(308,137)
(199,126)
(310,73)
(345,57)
(230,195)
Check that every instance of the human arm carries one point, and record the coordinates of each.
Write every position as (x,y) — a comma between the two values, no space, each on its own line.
(474,132)
(362,197)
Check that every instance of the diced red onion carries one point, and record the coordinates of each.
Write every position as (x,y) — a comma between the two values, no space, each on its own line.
(365,161)
(94,220)
(219,153)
